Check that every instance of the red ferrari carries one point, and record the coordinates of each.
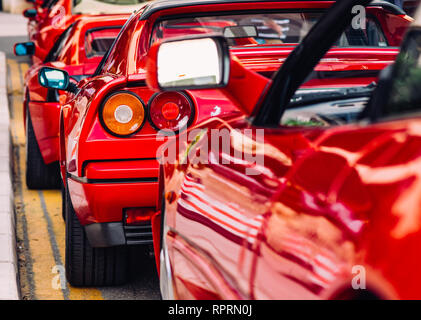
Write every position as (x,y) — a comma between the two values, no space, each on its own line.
(78,51)
(50,18)
(312,195)
(109,124)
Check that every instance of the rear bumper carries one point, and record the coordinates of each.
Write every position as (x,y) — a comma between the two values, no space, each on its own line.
(100,202)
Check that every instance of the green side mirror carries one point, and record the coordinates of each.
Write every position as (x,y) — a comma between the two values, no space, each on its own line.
(53,78)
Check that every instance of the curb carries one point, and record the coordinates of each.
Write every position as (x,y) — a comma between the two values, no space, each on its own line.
(9,288)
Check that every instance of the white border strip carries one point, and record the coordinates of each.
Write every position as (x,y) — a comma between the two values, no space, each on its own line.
(9,288)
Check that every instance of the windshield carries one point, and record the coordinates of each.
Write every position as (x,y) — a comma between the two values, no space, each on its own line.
(265,28)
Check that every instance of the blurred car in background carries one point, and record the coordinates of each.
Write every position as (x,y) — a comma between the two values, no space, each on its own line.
(410,6)
(78,51)
(113,124)
(49,19)
(332,208)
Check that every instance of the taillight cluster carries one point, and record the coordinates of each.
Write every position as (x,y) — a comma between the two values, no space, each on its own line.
(170,111)
(123,112)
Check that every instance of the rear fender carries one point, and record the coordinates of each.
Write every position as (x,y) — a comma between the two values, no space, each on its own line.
(109,84)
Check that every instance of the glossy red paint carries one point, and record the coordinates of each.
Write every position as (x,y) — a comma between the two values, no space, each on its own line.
(306,222)
(327,202)
(85,143)
(43,103)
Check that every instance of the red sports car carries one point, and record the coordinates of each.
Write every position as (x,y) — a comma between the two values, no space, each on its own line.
(48,21)
(78,51)
(109,125)
(312,196)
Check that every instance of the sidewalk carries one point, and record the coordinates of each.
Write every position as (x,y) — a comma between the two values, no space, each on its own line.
(12,25)
(9,289)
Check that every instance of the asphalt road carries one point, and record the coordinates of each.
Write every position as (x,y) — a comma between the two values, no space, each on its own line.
(40,228)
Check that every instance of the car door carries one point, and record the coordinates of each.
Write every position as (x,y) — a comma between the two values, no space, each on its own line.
(217,221)
(226,187)
(313,229)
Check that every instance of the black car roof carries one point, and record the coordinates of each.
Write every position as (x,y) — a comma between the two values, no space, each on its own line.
(159,5)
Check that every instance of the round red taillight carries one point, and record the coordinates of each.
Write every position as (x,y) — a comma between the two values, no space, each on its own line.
(170,111)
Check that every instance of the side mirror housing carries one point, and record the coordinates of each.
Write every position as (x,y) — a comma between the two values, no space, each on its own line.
(52,78)
(30,13)
(187,64)
(24,49)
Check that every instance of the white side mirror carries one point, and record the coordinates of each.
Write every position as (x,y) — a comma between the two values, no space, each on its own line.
(193,64)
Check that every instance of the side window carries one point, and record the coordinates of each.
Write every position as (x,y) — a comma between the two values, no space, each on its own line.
(320,113)
(98,41)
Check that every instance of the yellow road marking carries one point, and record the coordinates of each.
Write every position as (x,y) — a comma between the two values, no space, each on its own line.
(42,255)
(23,68)
(53,204)
(15,73)
(39,235)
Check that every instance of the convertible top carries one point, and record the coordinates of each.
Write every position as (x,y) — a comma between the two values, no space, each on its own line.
(158,5)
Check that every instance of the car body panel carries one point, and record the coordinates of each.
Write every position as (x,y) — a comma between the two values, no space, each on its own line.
(329,211)
(306,236)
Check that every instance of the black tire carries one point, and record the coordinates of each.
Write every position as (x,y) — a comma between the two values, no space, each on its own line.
(63,201)
(161,234)
(38,174)
(87,266)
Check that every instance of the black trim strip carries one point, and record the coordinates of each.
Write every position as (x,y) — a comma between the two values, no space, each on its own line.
(332,74)
(158,5)
(136,83)
(111,181)
(343,74)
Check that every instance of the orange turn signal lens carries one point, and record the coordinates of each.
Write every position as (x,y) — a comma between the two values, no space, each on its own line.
(123,113)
